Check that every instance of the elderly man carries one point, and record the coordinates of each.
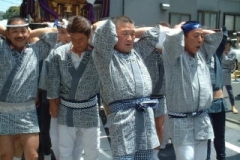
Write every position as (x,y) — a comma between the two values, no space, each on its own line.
(188,88)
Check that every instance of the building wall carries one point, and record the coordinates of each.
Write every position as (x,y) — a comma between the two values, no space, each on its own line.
(148,12)
(222,6)
(143,12)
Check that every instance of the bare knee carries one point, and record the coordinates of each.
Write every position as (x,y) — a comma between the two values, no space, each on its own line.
(18,148)
(30,144)
(31,155)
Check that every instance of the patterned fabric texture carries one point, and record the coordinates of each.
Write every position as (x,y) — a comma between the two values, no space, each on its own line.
(188,86)
(45,68)
(115,69)
(62,72)
(140,155)
(130,130)
(18,119)
(66,83)
(155,66)
(82,118)
(92,102)
(19,72)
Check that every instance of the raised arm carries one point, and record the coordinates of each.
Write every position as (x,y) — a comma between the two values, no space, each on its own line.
(212,44)
(97,24)
(140,31)
(40,31)
(207,31)
(104,39)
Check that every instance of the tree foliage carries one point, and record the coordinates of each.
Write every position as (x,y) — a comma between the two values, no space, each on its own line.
(12,11)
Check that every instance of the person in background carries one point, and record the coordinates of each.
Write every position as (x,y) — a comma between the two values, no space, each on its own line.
(186,50)
(237,45)
(19,72)
(228,61)
(49,129)
(155,67)
(217,111)
(75,81)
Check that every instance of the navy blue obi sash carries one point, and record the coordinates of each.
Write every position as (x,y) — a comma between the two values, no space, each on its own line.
(139,104)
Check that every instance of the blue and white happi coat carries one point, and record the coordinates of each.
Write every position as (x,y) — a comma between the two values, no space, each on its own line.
(155,66)
(19,73)
(188,86)
(43,80)
(130,130)
(78,106)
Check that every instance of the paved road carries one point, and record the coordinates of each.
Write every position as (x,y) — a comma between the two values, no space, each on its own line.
(236,90)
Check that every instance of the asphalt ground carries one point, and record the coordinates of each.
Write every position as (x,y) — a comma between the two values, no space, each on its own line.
(235,118)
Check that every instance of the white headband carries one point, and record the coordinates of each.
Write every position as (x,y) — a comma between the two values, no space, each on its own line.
(63,24)
(16,25)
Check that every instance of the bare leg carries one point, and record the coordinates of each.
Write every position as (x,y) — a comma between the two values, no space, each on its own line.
(159,121)
(7,147)
(18,148)
(30,144)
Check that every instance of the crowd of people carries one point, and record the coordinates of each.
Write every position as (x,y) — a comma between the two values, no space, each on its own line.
(155,83)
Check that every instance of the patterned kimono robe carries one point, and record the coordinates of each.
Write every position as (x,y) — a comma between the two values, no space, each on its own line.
(79,85)
(188,86)
(19,74)
(130,130)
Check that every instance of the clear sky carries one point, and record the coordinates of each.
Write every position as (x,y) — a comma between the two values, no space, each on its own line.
(5,4)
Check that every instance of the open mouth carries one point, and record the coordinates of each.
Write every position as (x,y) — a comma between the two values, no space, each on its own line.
(129,45)
(19,39)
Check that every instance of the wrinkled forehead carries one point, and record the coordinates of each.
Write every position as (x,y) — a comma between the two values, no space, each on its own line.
(197,31)
(122,26)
